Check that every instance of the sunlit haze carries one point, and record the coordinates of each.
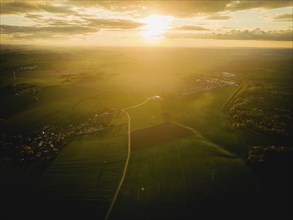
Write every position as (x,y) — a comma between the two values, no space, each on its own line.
(147,23)
(146,110)
(156,26)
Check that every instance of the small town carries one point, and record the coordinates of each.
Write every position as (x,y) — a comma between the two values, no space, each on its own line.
(47,142)
(207,83)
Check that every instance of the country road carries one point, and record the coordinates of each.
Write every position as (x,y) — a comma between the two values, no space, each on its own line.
(128,153)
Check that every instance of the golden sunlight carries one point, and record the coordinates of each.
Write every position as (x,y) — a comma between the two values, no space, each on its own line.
(155,27)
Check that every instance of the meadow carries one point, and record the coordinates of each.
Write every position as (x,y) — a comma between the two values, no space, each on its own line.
(188,159)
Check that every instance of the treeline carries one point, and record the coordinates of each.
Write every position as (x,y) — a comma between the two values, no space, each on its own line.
(274,164)
(266,157)
(263,107)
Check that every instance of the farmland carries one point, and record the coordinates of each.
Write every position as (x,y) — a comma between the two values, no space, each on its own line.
(188,155)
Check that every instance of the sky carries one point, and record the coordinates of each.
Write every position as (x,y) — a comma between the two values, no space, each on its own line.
(145,23)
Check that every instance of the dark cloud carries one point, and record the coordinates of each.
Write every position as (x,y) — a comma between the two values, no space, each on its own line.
(57,9)
(33,16)
(256,34)
(9,29)
(17,7)
(43,20)
(183,8)
(219,17)
(34,36)
(64,23)
(175,8)
(283,17)
(192,28)
(114,23)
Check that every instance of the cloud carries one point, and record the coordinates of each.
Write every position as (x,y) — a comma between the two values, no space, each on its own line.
(17,7)
(57,9)
(62,23)
(20,7)
(176,8)
(65,29)
(74,17)
(114,23)
(9,29)
(255,34)
(34,16)
(191,28)
(283,17)
(219,17)
(184,8)
(41,20)
(249,4)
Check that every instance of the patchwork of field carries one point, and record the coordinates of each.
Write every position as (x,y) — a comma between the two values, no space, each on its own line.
(187,172)
(187,160)
(185,178)
(81,181)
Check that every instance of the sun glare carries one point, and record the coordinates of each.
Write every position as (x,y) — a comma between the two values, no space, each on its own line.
(155,26)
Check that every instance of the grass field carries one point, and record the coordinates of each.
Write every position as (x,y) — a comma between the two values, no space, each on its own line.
(204,113)
(155,135)
(82,180)
(177,170)
(188,165)
(183,179)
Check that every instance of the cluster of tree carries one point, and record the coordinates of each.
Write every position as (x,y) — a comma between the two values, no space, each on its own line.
(272,163)
(262,107)
(258,155)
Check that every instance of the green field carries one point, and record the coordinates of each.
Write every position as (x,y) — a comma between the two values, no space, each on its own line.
(187,159)
(156,135)
(183,178)
(189,175)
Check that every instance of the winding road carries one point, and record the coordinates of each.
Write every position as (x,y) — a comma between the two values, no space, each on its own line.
(128,153)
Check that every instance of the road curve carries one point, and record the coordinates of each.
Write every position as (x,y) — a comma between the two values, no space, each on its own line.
(135,106)
(128,155)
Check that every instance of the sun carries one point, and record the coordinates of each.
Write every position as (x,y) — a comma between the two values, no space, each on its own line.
(155,26)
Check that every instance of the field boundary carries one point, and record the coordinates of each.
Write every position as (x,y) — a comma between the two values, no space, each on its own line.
(229,100)
(202,136)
